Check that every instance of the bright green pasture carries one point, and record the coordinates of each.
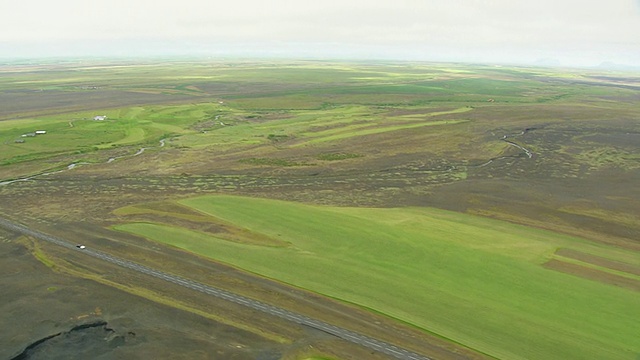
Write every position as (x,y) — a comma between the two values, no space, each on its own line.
(64,135)
(476,281)
(79,133)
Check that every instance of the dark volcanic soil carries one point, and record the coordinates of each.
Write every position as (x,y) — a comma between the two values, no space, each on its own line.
(39,303)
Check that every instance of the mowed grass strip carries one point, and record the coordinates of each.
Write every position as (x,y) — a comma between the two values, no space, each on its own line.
(368,129)
(477,281)
(593,274)
(352,124)
(599,261)
(179,215)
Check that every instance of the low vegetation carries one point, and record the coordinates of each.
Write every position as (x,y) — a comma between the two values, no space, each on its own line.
(477,203)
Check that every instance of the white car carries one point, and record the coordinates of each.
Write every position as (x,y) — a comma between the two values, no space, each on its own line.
(80,247)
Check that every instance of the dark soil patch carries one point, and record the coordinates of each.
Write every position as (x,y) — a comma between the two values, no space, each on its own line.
(170,213)
(51,102)
(172,207)
(629,139)
(81,342)
(41,304)
(599,261)
(593,274)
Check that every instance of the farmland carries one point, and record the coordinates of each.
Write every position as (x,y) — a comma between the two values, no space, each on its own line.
(452,274)
(499,203)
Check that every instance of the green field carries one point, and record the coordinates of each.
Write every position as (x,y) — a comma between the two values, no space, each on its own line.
(76,137)
(476,281)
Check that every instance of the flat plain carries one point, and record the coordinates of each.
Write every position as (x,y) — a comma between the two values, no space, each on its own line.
(485,211)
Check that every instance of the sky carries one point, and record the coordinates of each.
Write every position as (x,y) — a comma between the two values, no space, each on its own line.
(563,32)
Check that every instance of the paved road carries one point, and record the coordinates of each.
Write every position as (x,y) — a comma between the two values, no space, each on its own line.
(348,335)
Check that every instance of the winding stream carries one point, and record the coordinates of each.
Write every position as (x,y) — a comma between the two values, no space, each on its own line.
(528,152)
(76,164)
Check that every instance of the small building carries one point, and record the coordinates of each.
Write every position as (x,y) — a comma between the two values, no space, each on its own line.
(100,117)
(40,132)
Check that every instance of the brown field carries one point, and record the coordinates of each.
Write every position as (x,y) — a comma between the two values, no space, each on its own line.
(593,274)
(599,261)
(28,103)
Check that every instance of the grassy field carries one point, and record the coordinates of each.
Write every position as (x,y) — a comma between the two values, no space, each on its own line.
(76,137)
(381,146)
(478,282)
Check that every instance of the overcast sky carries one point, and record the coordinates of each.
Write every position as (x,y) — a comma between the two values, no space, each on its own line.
(574,32)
